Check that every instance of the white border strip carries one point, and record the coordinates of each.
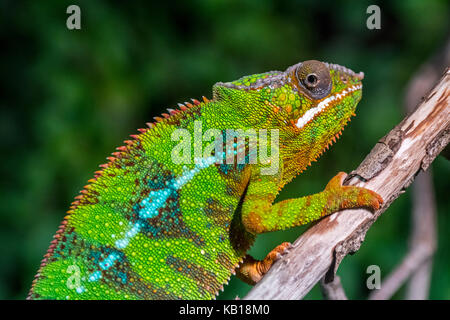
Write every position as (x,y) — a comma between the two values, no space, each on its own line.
(311,113)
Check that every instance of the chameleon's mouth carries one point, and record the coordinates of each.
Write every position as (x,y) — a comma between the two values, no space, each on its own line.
(311,113)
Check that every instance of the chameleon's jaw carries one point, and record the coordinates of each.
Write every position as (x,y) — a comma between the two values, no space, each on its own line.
(323,104)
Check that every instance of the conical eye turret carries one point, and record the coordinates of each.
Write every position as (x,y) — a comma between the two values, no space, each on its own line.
(314,77)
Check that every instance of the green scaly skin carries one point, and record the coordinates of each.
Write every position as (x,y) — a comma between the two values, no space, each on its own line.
(146,227)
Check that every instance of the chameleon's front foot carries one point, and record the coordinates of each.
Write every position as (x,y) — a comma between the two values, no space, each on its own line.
(251,270)
(349,197)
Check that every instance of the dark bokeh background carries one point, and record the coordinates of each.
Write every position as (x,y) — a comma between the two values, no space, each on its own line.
(70,97)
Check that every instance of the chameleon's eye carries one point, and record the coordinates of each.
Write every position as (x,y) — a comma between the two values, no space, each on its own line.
(314,77)
(311,80)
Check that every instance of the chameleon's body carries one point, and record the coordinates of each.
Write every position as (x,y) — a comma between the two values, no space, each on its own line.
(149,228)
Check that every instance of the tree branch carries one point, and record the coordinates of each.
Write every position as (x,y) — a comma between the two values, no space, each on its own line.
(424,233)
(413,260)
(332,290)
(389,168)
(417,265)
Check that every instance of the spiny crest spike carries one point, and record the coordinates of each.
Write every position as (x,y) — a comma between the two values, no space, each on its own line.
(190,105)
(205,100)
(61,230)
(165,115)
(158,119)
(142,130)
(150,124)
(195,101)
(122,148)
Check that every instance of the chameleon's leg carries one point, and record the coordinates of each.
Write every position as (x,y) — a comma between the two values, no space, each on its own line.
(252,270)
(259,215)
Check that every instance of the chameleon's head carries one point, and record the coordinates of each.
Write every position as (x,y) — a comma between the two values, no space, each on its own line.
(310,103)
(310,93)
(319,94)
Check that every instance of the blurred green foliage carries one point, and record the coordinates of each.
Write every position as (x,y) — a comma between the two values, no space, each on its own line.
(70,97)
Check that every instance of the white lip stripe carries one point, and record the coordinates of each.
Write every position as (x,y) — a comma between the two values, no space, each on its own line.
(311,113)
